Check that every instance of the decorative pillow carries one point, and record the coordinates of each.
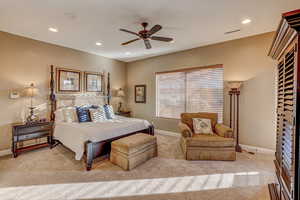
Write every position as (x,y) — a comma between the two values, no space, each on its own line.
(98,114)
(202,126)
(109,111)
(59,115)
(70,114)
(95,106)
(83,114)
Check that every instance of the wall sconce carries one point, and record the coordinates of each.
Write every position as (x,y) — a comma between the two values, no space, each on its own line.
(14,94)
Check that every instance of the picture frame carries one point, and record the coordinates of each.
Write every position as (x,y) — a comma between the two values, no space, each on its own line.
(94,82)
(68,80)
(140,92)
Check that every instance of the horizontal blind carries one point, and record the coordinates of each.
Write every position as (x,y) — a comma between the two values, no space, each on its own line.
(190,91)
(171,95)
(205,91)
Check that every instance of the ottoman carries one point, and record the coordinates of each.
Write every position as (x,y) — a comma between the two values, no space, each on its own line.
(131,151)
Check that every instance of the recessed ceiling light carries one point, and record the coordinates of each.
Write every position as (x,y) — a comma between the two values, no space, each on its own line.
(98,43)
(246,21)
(55,30)
(127,53)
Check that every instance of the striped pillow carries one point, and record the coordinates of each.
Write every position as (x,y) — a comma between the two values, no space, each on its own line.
(109,111)
(98,115)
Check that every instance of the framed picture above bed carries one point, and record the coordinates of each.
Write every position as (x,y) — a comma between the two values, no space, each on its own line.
(94,82)
(68,80)
(140,93)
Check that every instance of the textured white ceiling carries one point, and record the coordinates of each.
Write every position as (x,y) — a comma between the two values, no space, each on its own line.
(193,23)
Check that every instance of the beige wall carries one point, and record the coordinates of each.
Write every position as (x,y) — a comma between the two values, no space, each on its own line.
(23,61)
(244,59)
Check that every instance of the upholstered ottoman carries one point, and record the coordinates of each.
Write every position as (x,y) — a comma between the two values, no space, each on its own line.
(131,151)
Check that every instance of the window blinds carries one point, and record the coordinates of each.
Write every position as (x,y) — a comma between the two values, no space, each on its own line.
(171,94)
(198,90)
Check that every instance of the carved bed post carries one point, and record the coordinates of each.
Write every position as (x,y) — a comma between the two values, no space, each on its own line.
(89,155)
(52,95)
(108,88)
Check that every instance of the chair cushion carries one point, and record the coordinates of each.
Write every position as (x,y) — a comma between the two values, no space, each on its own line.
(133,143)
(187,118)
(201,140)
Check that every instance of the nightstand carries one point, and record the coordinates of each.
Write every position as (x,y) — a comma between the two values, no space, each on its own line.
(124,113)
(25,132)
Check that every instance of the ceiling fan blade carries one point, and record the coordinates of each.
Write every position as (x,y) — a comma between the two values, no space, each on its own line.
(147,44)
(131,32)
(125,43)
(164,39)
(154,29)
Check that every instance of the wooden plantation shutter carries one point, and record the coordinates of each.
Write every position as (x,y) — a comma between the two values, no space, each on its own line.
(191,90)
(288,133)
(280,95)
(285,49)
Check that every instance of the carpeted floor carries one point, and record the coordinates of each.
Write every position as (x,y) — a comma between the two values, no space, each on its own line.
(55,174)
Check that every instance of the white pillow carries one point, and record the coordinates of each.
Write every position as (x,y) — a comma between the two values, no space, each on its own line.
(67,114)
(70,114)
(202,126)
(98,114)
(59,116)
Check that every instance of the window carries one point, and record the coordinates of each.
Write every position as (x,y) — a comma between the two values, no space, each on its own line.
(193,90)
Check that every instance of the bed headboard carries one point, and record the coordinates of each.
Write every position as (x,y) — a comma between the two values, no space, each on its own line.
(79,100)
(64,100)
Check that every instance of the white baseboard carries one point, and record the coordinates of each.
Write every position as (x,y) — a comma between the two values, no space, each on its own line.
(249,148)
(5,152)
(255,149)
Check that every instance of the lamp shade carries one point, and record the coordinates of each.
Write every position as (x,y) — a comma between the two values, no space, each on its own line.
(30,91)
(120,93)
(234,85)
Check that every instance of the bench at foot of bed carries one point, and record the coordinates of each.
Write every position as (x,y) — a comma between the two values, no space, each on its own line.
(95,150)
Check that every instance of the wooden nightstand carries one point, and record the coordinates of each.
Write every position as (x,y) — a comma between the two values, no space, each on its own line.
(24,132)
(124,113)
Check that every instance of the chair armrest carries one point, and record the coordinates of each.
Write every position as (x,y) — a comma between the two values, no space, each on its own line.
(224,131)
(185,130)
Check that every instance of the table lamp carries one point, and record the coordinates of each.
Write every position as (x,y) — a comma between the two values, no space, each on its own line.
(120,93)
(31,92)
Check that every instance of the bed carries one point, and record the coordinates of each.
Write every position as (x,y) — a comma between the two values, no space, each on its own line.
(91,140)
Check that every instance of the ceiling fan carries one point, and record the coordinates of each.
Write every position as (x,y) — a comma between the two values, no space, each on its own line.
(147,35)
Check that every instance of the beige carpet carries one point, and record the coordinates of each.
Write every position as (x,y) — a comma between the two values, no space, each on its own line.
(166,177)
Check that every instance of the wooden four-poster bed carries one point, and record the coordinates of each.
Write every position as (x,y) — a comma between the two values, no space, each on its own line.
(92,149)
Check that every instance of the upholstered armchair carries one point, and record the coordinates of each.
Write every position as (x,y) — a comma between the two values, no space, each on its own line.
(217,146)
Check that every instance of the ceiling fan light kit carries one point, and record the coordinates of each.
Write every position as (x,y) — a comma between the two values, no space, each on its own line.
(147,35)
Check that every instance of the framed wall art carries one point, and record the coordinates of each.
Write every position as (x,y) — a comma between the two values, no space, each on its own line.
(140,93)
(68,80)
(94,82)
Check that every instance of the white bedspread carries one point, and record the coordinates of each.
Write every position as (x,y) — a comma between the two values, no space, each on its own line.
(74,135)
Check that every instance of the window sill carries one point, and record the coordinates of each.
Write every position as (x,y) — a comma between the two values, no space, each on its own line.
(167,118)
